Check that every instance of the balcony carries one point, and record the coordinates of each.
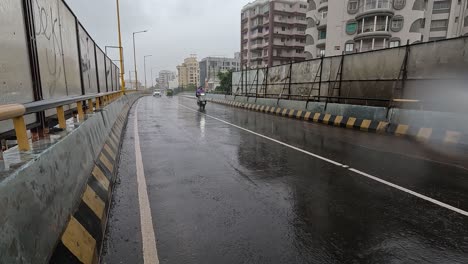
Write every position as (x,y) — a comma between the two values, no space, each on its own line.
(322,4)
(370,29)
(375,7)
(321,42)
(257,46)
(322,23)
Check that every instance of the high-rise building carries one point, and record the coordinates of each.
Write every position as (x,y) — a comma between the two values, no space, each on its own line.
(337,26)
(164,78)
(273,32)
(189,72)
(210,67)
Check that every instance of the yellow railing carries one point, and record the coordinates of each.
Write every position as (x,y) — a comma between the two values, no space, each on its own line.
(16,112)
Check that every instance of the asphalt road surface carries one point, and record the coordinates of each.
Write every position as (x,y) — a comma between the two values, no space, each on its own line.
(233,186)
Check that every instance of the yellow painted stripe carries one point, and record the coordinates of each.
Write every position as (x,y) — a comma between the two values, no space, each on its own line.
(278,110)
(299,114)
(402,129)
(452,137)
(365,125)
(113,144)
(291,112)
(109,150)
(424,133)
(307,116)
(382,127)
(101,178)
(316,117)
(262,108)
(326,118)
(338,120)
(267,109)
(350,122)
(80,243)
(258,107)
(285,111)
(92,200)
(106,163)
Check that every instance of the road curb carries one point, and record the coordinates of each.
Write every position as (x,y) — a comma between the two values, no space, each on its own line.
(82,239)
(420,133)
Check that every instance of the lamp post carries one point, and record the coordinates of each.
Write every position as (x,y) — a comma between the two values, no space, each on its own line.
(134,55)
(122,70)
(144,61)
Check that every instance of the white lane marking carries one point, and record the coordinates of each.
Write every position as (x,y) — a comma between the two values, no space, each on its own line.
(150,252)
(403,189)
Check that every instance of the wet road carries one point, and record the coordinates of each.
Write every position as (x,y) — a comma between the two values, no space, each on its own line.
(234,186)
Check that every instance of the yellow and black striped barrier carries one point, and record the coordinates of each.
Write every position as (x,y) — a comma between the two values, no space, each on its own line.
(81,241)
(420,133)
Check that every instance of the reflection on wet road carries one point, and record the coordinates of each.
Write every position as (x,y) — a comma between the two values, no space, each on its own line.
(241,188)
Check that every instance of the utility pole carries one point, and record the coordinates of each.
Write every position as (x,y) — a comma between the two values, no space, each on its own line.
(122,70)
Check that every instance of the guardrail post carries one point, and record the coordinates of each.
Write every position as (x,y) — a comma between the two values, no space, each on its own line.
(21,134)
(61,117)
(81,115)
(98,103)
(90,106)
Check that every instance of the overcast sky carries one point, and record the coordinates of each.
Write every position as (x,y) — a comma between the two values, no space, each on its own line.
(177,28)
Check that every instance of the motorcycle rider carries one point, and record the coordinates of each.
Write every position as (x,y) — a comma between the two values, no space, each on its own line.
(199,91)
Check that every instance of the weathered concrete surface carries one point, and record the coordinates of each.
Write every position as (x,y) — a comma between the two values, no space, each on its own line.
(37,200)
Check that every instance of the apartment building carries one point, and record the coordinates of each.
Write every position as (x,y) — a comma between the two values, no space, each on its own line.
(165,77)
(189,72)
(337,26)
(273,32)
(211,66)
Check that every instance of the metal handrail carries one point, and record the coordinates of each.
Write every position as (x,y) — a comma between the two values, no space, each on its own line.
(16,112)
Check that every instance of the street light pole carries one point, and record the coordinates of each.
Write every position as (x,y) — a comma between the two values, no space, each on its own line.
(122,70)
(134,56)
(144,61)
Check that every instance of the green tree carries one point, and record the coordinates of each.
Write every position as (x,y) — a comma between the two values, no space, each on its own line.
(225,78)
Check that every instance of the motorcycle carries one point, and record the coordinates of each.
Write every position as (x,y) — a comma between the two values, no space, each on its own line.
(201,101)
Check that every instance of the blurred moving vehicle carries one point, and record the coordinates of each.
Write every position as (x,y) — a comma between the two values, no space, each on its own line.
(157,93)
(201,101)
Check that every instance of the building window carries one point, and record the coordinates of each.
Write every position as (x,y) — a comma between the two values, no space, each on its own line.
(439,25)
(282,40)
(349,47)
(394,43)
(298,51)
(322,34)
(320,52)
(465,23)
(397,23)
(283,28)
(351,27)
(353,6)
(441,7)
(399,4)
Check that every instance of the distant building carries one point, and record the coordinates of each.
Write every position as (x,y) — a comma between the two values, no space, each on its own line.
(189,72)
(273,32)
(165,77)
(211,66)
(131,85)
(337,26)
(174,84)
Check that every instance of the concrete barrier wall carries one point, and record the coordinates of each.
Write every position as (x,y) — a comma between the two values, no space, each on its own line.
(439,126)
(37,200)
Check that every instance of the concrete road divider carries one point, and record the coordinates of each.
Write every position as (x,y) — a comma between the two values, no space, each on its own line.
(54,208)
(377,125)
